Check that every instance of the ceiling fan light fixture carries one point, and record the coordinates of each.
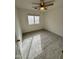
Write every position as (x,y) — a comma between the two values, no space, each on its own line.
(42,8)
(42,5)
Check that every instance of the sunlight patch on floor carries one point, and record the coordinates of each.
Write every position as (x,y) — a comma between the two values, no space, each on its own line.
(35,49)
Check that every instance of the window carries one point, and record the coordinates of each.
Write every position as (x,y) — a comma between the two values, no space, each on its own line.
(33,20)
(30,20)
(36,19)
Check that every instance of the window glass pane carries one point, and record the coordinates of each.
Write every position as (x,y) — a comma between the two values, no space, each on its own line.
(36,19)
(31,20)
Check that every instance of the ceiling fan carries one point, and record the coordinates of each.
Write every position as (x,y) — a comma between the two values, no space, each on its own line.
(42,5)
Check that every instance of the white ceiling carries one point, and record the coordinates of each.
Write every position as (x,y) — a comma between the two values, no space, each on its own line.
(27,4)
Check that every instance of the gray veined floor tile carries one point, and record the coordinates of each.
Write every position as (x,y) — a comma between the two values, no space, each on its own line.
(42,45)
(17,51)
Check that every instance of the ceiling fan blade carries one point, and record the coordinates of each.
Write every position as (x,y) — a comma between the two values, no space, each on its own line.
(36,7)
(36,3)
(49,1)
(49,4)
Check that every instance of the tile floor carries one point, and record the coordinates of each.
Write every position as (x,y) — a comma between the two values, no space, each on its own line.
(42,44)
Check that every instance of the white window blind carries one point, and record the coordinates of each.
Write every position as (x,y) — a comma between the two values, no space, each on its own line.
(30,20)
(33,20)
(36,19)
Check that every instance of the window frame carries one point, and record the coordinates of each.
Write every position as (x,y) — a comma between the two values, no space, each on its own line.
(34,19)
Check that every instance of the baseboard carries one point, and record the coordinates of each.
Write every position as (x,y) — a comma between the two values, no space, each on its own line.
(53,33)
(32,31)
(42,29)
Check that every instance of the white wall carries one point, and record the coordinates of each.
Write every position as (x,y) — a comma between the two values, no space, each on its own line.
(54,21)
(23,13)
(18,31)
